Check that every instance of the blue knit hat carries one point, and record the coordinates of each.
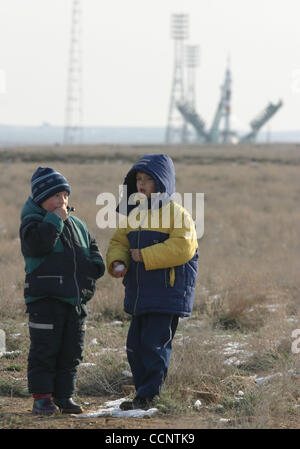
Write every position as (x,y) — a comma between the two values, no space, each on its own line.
(45,182)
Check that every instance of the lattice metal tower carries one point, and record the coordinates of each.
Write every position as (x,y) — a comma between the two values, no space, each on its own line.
(73,112)
(177,126)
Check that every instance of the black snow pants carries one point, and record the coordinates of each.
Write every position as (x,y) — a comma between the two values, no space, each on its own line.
(57,331)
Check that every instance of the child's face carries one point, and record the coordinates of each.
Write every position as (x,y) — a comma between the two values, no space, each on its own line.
(145,184)
(60,199)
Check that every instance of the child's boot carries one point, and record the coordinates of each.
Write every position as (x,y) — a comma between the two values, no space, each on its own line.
(44,406)
(137,403)
(67,405)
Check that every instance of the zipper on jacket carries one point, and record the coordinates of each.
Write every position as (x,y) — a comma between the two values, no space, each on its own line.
(137,274)
(52,277)
(75,269)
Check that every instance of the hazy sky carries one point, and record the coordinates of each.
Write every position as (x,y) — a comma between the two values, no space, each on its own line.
(128,59)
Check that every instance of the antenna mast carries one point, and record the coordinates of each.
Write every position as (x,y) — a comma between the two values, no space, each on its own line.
(73,113)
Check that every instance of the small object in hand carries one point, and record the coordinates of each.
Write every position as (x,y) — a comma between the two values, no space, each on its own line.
(120,267)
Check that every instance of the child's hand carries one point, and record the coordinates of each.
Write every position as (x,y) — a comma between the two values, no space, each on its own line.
(61,212)
(119,269)
(136,255)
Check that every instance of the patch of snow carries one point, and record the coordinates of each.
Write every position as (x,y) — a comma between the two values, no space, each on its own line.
(237,355)
(233,347)
(15,335)
(262,380)
(225,420)
(10,353)
(197,404)
(112,409)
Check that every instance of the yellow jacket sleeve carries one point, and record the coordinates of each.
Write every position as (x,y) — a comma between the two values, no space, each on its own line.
(178,249)
(118,249)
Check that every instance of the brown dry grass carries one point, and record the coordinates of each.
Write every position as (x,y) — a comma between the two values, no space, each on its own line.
(248,285)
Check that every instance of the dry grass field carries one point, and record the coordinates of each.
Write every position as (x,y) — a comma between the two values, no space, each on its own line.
(235,353)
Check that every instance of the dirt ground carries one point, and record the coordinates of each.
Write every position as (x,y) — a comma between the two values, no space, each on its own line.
(15,413)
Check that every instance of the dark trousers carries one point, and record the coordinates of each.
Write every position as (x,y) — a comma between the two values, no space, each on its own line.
(57,332)
(149,347)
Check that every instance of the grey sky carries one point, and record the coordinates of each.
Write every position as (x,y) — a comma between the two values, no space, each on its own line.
(128,59)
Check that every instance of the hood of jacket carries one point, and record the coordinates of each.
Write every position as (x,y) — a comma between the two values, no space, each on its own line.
(161,168)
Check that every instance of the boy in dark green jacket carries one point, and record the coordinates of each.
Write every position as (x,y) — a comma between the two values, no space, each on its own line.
(62,264)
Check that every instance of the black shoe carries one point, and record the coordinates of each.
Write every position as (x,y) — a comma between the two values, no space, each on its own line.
(44,406)
(137,403)
(68,406)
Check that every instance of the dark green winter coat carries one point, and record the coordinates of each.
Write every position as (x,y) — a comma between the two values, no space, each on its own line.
(62,260)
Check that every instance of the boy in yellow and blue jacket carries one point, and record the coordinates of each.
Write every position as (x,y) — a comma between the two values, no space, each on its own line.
(158,263)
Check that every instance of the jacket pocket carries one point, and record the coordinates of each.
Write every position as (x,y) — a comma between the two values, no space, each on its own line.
(48,285)
(59,278)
